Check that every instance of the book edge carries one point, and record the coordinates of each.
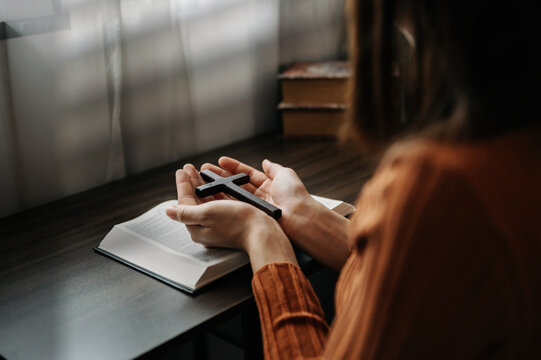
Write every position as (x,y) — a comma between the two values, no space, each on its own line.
(313,77)
(297,71)
(221,273)
(147,272)
(334,107)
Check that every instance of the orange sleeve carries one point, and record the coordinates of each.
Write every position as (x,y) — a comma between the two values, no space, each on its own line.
(435,280)
(292,321)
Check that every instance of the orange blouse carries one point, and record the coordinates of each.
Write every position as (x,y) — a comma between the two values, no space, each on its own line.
(445,262)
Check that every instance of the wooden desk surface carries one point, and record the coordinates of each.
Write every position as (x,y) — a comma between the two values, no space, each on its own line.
(59,299)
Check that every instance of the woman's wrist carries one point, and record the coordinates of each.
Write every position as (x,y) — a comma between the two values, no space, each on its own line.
(298,215)
(319,231)
(266,243)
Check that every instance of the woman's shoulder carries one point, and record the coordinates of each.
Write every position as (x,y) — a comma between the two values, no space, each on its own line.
(416,177)
(418,165)
(403,185)
(405,155)
(515,150)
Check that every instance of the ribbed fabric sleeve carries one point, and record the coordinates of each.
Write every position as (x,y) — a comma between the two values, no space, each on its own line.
(292,321)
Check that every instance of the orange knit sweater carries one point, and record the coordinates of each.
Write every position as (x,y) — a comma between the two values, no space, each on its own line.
(445,262)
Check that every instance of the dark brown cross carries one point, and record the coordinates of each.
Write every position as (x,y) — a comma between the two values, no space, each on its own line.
(230,185)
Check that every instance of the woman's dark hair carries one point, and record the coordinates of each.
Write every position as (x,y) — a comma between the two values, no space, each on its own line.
(474,70)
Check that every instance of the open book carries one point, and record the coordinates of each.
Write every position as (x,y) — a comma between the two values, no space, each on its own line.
(162,248)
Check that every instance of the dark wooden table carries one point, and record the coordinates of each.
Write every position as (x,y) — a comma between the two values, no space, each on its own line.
(59,299)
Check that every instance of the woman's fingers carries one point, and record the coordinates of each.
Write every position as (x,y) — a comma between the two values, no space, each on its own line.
(185,190)
(271,169)
(188,179)
(196,181)
(188,214)
(225,173)
(216,169)
(192,172)
(205,214)
(234,166)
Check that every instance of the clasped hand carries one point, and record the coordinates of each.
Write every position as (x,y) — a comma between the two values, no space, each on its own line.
(221,221)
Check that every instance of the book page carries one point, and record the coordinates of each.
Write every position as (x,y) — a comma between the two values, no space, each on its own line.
(155,226)
(340,207)
(329,203)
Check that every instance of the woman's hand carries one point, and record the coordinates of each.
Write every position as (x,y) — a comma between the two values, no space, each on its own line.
(227,223)
(321,232)
(277,184)
(187,180)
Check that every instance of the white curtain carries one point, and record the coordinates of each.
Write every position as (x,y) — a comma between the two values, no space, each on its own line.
(95,90)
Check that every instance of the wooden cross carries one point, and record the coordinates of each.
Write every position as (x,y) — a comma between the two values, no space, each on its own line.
(230,185)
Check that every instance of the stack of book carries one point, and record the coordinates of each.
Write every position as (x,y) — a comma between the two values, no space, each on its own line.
(314,96)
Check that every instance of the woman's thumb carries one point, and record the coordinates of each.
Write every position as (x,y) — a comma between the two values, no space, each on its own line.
(186,214)
(270,168)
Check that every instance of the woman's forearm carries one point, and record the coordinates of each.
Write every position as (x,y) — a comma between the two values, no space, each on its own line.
(268,244)
(320,232)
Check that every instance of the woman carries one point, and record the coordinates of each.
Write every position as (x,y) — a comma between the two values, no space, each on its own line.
(443,256)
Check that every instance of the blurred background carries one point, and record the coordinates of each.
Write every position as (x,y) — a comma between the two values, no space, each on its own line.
(96,90)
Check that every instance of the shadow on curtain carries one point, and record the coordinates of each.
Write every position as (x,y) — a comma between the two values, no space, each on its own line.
(95,90)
